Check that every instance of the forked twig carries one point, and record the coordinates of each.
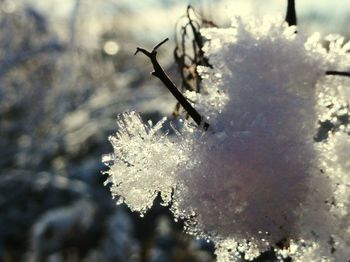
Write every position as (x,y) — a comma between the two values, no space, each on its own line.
(159,73)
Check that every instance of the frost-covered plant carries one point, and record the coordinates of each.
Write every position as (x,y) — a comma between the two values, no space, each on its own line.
(64,88)
(256,179)
(144,155)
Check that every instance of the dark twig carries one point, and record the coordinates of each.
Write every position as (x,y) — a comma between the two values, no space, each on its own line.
(291,16)
(336,73)
(188,53)
(159,73)
(161,43)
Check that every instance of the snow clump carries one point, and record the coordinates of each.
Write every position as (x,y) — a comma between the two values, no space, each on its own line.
(257,178)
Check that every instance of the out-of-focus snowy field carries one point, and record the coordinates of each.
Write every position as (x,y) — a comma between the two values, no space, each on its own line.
(67,70)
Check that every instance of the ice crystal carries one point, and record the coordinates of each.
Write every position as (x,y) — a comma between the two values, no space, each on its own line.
(144,162)
(256,177)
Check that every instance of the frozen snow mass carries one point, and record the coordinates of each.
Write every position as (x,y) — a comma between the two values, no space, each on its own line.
(262,176)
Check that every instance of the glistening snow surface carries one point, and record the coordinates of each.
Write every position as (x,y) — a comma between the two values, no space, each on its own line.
(257,176)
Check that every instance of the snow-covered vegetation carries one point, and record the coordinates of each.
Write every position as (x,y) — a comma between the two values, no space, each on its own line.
(67,70)
(267,173)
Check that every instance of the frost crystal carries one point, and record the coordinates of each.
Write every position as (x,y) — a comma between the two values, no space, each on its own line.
(258,176)
(144,163)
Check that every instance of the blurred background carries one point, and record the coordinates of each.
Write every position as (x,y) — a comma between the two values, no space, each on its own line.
(67,70)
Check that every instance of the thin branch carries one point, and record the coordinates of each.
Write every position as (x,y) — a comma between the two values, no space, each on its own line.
(188,53)
(159,73)
(336,73)
(161,43)
(291,16)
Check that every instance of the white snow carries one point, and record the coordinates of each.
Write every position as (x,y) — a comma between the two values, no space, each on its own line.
(256,176)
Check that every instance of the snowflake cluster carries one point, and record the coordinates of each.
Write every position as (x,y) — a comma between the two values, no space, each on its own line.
(257,177)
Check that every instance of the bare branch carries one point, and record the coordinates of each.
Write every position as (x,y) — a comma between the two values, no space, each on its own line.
(336,73)
(157,46)
(144,51)
(291,16)
(159,73)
